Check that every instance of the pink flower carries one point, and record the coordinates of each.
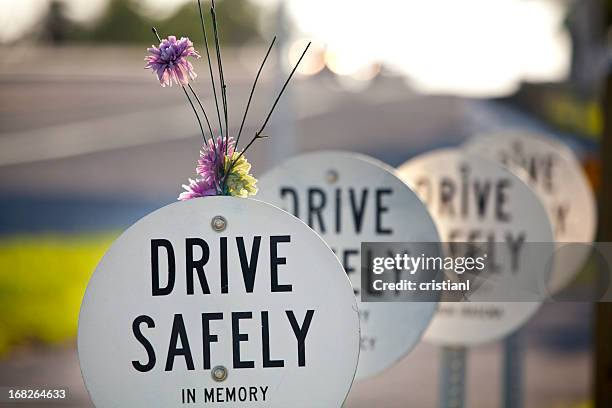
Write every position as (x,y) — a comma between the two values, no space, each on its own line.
(169,61)
(197,188)
(211,164)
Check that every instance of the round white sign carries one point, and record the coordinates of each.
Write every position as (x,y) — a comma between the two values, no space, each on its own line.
(349,199)
(553,171)
(219,301)
(476,200)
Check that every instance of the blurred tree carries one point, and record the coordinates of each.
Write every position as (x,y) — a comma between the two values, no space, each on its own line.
(236,19)
(56,26)
(119,23)
(122,23)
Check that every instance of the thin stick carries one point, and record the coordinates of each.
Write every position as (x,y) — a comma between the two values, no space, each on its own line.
(188,98)
(221,77)
(259,132)
(196,113)
(246,110)
(156,34)
(212,78)
(212,137)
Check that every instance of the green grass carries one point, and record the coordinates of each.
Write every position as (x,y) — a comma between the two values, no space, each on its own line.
(42,282)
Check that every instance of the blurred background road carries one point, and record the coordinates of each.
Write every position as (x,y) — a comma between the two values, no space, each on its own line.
(89,143)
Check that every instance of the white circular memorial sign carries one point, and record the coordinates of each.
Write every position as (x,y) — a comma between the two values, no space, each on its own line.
(476,200)
(219,301)
(348,199)
(552,170)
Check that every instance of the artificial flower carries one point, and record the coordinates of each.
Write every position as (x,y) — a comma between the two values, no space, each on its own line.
(239,182)
(211,164)
(169,61)
(197,188)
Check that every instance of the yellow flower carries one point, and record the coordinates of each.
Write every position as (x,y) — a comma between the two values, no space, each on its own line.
(240,183)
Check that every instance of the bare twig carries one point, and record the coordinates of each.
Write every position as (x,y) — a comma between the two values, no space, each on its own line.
(246,110)
(259,134)
(221,77)
(212,78)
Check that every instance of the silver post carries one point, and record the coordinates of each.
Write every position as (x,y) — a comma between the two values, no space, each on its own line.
(512,387)
(452,377)
(283,120)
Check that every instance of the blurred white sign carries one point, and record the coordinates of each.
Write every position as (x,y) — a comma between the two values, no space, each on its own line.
(475,200)
(552,170)
(349,199)
(219,301)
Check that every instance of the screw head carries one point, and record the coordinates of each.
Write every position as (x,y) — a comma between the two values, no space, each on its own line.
(219,373)
(218,223)
(332,176)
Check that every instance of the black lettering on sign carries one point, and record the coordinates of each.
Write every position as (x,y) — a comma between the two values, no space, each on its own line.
(481,192)
(223,264)
(300,333)
(369,277)
(208,338)
(198,265)
(293,193)
(315,208)
(501,198)
(179,343)
(209,395)
(465,188)
(249,267)
(338,212)
(179,333)
(235,394)
(238,337)
(357,202)
(447,192)
(275,261)
(198,257)
(349,267)
(157,290)
(515,244)
(560,212)
(480,197)
(265,343)
(188,395)
(539,167)
(143,368)
(358,209)
(381,209)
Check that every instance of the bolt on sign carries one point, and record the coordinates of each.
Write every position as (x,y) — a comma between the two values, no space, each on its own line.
(219,301)
(476,200)
(552,170)
(348,199)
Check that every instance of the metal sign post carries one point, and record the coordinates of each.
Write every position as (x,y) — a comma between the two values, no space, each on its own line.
(452,377)
(603,311)
(512,366)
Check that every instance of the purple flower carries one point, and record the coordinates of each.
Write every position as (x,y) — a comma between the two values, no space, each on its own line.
(197,188)
(211,164)
(169,61)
